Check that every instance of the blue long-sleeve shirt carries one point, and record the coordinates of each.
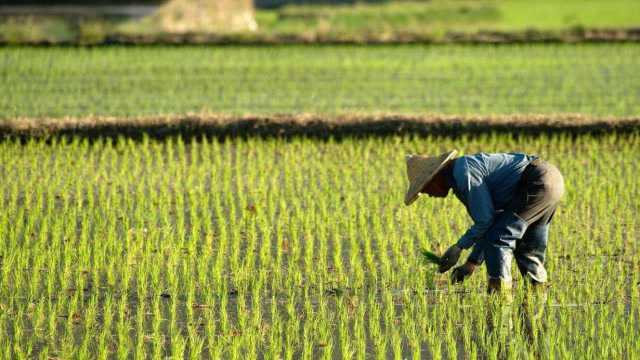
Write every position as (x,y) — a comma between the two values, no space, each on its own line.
(485,183)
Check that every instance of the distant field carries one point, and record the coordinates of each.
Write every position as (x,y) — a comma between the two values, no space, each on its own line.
(595,80)
(439,16)
(383,21)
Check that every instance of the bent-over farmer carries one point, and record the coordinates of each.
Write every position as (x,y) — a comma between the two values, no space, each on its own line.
(511,199)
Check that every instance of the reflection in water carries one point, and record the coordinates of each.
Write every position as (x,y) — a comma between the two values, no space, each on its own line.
(525,315)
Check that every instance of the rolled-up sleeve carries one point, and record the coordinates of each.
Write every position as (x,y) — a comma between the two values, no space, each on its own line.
(479,205)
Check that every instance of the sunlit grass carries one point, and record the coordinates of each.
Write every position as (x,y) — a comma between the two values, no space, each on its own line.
(597,80)
(431,19)
(293,249)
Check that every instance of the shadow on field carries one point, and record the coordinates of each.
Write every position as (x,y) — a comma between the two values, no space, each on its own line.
(310,126)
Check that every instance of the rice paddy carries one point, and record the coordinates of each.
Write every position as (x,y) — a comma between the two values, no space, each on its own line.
(292,249)
(197,247)
(590,79)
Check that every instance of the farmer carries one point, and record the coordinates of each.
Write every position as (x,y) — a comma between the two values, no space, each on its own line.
(511,199)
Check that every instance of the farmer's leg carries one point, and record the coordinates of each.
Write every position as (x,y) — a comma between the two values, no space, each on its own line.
(545,189)
(530,253)
(530,257)
(500,241)
(535,199)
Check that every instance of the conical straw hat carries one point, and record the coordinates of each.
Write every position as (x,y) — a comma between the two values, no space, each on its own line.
(421,169)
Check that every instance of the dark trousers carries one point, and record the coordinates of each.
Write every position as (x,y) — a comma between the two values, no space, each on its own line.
(522,229)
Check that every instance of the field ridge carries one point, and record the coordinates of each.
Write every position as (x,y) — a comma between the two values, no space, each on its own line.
(527,36)
(312,125)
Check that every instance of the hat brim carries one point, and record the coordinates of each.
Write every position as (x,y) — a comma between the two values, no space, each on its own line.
(415,187)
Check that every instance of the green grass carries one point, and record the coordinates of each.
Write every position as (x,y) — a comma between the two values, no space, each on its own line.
(386,20)
(553,14)
(598,80)
(297,249)
(439,16)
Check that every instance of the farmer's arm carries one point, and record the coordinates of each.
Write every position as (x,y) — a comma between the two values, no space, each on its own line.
(477,198)
(480,208)
(473,191)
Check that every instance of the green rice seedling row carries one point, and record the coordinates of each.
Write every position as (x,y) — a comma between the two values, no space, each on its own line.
(592,79)
(296,249)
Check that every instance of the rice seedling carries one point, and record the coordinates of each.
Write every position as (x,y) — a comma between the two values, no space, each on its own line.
(296,249)
(429,257)
(591,79)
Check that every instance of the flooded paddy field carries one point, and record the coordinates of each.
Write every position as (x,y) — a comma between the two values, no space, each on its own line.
(298,249)
(589,79)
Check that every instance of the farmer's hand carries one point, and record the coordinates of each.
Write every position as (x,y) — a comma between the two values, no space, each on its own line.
(460,273)
(449,258)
